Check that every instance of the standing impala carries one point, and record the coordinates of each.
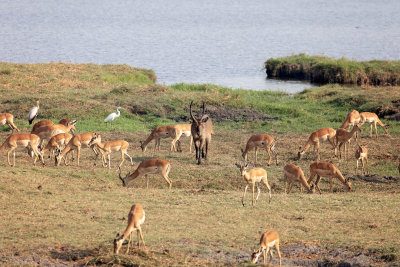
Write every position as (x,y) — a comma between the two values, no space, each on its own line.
(146,167)
(323,168)
(78,142)
(372,118)
(58,141)
(268,240)
(292,174)
(253,177)
(7,118)
(343,137)
(352,118)
(46,132)
(136,218)
(321,135)
(263,141)
(30,141)
(201,129)
(108,147)
(362,155)
(173,131)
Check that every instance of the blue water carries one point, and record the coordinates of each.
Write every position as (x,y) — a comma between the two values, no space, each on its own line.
(223,42)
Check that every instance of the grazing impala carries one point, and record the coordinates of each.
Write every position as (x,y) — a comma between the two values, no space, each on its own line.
(108,147)
(323,168)
(372,118)
(352,118)
(343,137)
(321,135)
(136,218)
(77,142)
(263,141)
(201,131)
(30,141)
(146,167)
(46,132)
(292,174)
(58,141)
(173,131)
(253,177)
(268,240)
(7,118)
(362,155)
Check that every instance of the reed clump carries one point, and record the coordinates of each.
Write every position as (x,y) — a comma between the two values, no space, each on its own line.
(323,70)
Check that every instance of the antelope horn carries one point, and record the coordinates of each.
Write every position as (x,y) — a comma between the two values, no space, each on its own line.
(191,114)
(204,108)
(120,177)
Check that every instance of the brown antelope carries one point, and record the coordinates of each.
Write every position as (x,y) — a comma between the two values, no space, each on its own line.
(343,137)
(173,131)
(108,147)
(7,118)
(292,174)
(46,132)
(77,142)
(201,132)
(30,141)
(268,240)
(263,141)
(321,135)
(352,118)
(136,218)
(372,118)
(41,124)
(362,155)
(58,141)
(323,168)
(146,167)
(253,177)
(65,121)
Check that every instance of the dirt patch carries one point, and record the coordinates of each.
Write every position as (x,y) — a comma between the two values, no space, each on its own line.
(373,178)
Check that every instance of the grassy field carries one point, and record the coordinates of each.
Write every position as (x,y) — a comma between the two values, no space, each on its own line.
(71,214)
(323,70)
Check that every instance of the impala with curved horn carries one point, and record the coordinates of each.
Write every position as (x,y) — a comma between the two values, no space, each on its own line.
(201,133)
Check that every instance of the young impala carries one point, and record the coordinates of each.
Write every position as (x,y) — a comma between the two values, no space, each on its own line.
(268,240)
(323,168)
(372,118)
(108,147)
(150,166)
(321,135)
(362,155)
(173,131)
(263,141)
(136,218)
(253,177)
(59,141)
(343,137)
(77,142)
(30,141)
(7,118)
(292,174)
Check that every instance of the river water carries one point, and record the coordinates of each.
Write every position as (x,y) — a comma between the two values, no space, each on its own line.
(223,42)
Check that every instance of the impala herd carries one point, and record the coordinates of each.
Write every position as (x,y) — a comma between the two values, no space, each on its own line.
(62,140)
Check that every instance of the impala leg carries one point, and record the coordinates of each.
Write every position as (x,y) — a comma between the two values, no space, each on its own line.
(79,154)
(266,251)
(126,153)
(129,241)
(252,190)
(316,183)
(269,156)
(258,194)
(285,182)
(366,164)
(141,236)
(269,188)
(370,131)
(165,176)
(330,184)
(317,147)
(357,166)
(290,187)
(376,131)
(191,144)
(256,150)
(244,194)
(279,253)
(109,160)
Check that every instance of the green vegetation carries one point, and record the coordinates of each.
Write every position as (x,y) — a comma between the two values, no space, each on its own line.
(71,214)
(322,70)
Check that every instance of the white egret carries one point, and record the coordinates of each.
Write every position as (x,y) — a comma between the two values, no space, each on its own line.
(112,116)
(33,113)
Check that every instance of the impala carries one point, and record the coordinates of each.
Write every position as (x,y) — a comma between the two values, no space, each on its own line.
(46,132)
(352,118)
(372,118)
(268,240)
(41,123)
(136,218)
(263,141)
(362,155)
(65,121)
(7,118)
(58,141)
(323,168)
(77,142)
(343,137)
(30,141)
(108,147)
(253,177)
(173,131)
(292,174)
(146,167)
(201,129)
(321,135)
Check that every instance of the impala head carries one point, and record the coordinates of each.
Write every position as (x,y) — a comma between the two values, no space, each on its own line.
(117,243)
(242,167)
(312,188)
(198,124)
(348,184)
(300,154)
(95,140)
(357,127)
(123,179)
(255,255)
(58,157)
(385,128)
(72,126)
(143,146)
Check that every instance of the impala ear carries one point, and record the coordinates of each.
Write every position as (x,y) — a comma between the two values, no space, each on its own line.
(205,119)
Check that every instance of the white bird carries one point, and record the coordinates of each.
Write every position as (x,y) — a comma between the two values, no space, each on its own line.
(33,113)
(112,116)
